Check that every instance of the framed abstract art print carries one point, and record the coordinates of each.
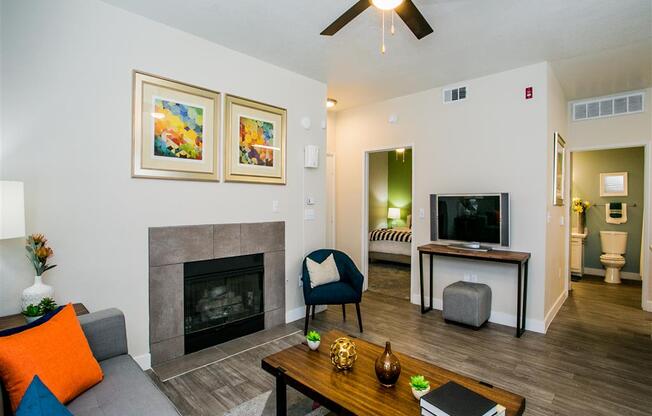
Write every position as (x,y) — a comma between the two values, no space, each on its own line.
(175,130)
(254,142)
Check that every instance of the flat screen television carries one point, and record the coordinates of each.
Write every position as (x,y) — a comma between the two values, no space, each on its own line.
(470,219)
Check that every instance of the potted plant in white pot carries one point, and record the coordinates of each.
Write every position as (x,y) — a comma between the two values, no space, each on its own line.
(314,339)
(33,312)
(38,254)
(420,386)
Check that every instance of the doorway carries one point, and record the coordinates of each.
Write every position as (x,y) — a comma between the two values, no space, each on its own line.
(608,223)
(387,230)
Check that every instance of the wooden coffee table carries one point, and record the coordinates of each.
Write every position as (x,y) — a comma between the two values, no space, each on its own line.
(357,391)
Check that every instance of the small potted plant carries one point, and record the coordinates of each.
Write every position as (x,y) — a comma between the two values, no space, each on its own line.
(314,339)
(420,386)
(33,312)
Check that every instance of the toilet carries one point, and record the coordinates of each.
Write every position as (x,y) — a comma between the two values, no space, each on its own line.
(614,245)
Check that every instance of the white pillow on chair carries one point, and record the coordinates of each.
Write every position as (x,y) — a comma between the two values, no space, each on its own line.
(322,273)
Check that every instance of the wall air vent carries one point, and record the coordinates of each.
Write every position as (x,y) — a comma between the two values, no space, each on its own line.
(613,105)
(454,94)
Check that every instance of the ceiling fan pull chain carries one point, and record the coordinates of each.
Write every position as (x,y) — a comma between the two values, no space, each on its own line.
(382,48)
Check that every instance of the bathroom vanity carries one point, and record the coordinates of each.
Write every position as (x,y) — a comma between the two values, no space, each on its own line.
(577,252)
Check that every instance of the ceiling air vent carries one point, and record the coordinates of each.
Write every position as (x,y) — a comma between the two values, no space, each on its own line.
(454,94)
(614,105)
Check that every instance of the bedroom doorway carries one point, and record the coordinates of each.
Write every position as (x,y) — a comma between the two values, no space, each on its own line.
(388,219)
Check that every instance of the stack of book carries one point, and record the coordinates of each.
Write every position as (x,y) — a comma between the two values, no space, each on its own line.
(451,399)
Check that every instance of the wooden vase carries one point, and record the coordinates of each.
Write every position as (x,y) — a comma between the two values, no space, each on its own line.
(388,368)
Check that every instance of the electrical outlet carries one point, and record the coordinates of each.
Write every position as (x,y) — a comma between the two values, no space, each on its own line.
(474,278)
(467,277)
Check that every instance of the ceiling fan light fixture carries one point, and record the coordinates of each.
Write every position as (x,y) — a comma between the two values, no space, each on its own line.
(386,4)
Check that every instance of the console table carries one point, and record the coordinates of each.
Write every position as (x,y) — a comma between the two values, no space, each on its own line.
(13,321)
(520,259)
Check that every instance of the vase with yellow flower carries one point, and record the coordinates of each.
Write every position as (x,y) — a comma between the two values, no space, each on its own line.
(38,253)
(579,208)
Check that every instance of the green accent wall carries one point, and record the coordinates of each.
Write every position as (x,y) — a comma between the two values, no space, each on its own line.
(399,185)
(586,168)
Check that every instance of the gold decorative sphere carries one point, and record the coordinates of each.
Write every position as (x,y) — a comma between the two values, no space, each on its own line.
(343,353)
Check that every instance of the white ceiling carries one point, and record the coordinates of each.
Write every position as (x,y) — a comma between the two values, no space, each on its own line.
(596,47)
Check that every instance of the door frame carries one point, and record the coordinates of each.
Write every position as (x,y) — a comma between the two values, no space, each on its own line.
(332,198)
(364,254)
(646,304)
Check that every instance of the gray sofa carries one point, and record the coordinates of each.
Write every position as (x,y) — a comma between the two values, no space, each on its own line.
(126,390)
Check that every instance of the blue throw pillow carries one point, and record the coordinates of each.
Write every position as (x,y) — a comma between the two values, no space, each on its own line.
(39,401)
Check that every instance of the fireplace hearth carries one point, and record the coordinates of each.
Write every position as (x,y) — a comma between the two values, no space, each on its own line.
(223,300)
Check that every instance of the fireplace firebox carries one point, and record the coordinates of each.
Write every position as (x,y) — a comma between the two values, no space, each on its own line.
(223,300)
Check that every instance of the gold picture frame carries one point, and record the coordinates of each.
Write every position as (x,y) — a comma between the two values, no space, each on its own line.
(254,142)
(175,130)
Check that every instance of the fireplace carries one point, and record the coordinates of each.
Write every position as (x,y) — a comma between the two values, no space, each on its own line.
(223,300)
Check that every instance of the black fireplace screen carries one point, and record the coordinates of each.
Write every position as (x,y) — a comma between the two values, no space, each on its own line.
(223,299)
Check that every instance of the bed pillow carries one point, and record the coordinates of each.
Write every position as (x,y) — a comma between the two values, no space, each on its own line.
(322,273)
(39,401)
(57,351)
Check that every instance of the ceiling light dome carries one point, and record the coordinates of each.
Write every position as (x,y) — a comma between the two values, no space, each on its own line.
(386,4)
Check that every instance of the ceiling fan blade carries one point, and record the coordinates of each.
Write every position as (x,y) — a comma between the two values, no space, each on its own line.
(413,19)
(349,15)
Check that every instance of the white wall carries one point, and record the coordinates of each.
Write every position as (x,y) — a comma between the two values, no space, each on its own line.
(557,219)
(496,141)
(378,190)
(621,131)
(67,127)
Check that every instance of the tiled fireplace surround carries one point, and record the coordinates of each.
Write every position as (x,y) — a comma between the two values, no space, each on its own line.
(171,247)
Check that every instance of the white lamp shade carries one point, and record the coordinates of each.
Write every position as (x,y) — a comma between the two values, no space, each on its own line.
(394,213)
(12,210)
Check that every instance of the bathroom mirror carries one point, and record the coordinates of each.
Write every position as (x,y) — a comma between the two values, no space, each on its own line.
(613,184)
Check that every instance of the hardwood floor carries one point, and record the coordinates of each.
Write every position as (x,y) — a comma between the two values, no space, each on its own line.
(596,358)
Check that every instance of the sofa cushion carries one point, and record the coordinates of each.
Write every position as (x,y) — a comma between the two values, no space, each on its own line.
(334,294)
(57,351)
(38,400)
(125,390)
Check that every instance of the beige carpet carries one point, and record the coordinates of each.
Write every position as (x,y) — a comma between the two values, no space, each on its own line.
(390,279)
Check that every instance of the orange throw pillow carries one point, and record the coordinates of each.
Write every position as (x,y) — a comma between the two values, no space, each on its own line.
(57,351)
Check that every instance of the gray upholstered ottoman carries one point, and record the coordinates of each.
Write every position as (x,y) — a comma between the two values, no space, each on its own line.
(467,303)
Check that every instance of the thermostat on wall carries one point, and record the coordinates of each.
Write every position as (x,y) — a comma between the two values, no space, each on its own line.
(312,157)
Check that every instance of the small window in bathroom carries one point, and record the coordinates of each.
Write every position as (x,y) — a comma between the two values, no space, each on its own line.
(613,184)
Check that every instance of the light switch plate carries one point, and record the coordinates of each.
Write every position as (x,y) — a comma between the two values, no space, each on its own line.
(274,206)
(422,213)
(309,214)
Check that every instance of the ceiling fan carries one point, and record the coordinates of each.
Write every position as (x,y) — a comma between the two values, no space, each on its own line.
(405,9)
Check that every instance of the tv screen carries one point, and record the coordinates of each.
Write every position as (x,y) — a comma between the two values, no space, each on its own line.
(472,218)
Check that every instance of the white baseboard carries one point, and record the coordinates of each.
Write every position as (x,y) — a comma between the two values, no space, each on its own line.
(601,272)
(555,309)
(300,313)
(496,317)
(144,361)
(648,306)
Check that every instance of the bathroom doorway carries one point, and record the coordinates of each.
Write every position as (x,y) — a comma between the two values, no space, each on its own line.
(608,222)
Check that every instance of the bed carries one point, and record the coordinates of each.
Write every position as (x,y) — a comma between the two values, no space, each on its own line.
(391,244)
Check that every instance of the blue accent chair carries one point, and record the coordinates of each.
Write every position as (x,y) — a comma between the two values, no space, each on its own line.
(347,290)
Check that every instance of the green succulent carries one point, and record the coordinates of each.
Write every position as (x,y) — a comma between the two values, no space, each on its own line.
(419,383)
(32,311)
(313,336)
(47,305)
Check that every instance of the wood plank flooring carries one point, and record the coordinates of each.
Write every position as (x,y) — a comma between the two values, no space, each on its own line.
(595,360)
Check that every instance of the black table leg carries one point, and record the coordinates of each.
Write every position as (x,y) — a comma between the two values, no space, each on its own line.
(281,393)
(423,302)
(524,296)
(518,301)
(431,285)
